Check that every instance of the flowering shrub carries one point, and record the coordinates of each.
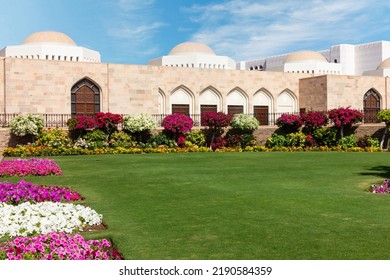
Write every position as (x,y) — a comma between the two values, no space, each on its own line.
(289,122)
(177,124)
(181,141)
(26,125)
(108,122)
(27,219)
(244,122)
(25,191)
(32,166)
(218,143)
(139,123)
(57,246)
(53,138)
(81,123)
(313,120)
(383,189)
(342,117)
(216,120)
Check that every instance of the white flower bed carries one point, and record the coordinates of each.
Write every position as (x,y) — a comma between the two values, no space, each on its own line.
(41,218)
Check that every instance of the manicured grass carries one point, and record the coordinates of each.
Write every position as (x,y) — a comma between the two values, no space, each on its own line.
(236,205)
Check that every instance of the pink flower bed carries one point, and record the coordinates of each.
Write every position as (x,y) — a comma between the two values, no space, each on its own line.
(25,191)
(57,246)
(383,189)
(32,166)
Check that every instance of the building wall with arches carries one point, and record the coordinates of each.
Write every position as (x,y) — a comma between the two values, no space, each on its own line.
(38,86)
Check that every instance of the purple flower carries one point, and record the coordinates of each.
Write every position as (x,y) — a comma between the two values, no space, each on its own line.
(32,166)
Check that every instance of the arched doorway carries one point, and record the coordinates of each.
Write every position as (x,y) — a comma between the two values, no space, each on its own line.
(262,105)
(85,98)
(371,105)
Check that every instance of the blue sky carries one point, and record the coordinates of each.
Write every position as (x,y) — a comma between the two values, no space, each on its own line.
(135,31)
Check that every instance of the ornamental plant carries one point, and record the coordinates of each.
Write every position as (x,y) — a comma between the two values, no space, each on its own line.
(27,219)
(344,117)
(314,120)
(26,125)
(53,138)
(384,116)
(382,189)
(215,121)
(139,123)
(177,124)
(57,246)
(108,122)
(32,166)
(81,123)
(25,191)
(244,122)
(289,123)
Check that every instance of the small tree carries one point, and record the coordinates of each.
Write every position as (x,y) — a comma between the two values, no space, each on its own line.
(314,120)
(177,124)
(79,125)
(215,121)
(108,122)
(139,125)
(289,123)
(344,117)
(384,116)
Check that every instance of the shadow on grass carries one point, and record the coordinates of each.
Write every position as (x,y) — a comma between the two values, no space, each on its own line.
(380,171)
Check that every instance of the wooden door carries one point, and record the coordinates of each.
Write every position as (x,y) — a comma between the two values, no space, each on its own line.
(208,108)
(371,107)
(235,109)
(261,114)
(183,109)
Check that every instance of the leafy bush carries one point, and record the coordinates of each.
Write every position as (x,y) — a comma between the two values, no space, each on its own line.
(177,124)
(215,121)
(81,123)
(384,116)
(276,140)
(347,141)
(218,143)
(234,140)
(314,120)
(121,139)
(108,122)
(325,136)
(139,123)
(248,139)
(93,139)
(26,125)
(289,123)
(343,117)
(297,139)
(159,140)
(54,138)
(197,137)
(244,122)
(367,141)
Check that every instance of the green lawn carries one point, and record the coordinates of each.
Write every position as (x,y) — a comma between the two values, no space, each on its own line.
(236,205)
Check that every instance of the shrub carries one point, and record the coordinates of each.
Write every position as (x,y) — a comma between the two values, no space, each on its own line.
(108,122)
(289,123)
(177,124)
(215,121)
(54,138)
(81,123)
(26,125)
(244,122)
(160,139)
(218,143)
(384,116)
(95,139)
(344,117)
(234,140)
(139,123)
(197,137)
(347,141)
(314,120)
(367,141)
(248,139)
(121,139)
(297,139)
(276,140)
(325,136)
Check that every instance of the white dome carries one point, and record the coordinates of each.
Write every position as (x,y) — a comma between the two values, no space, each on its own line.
(51,37)
(191,47)
(304,56)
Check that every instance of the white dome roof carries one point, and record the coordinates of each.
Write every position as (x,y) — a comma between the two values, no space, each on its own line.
(384,65)
(303,56)
(191,47)
(51,37)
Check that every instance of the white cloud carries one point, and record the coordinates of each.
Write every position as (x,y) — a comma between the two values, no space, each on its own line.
(245,29)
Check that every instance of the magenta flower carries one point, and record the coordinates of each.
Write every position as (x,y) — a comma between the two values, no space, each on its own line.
(32,166)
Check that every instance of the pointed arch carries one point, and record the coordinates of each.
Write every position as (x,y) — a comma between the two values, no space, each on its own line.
(85,97)
(371,105)
(161,101)
(237,101)
(286,102)
(263,106)
(210,100)
(182,100)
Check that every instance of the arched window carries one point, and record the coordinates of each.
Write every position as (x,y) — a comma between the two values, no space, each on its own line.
(209,101)
(262,106)
(85,98)
(181,101)
(286,103)
(371,105)
(236,102)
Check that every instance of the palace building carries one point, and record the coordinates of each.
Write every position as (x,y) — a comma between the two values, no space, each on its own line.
(49,74)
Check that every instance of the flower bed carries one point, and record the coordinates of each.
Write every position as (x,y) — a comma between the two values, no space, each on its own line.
(383,189)
(57,246)
(25,191)
(32,166)
(28,219)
